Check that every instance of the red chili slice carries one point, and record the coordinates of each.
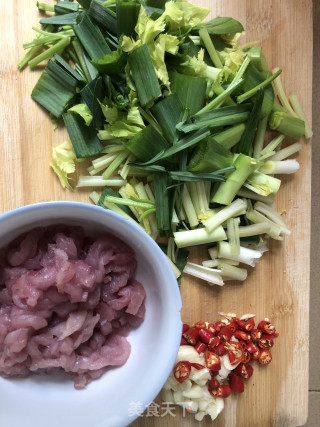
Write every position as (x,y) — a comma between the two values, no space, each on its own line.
(236,383)
(214,342)
(222,391)
(235,352)
(256,334)
(212,328)
(246,325)
(266,327)
(183,342)
(212,360)
(266,341)
(213,384)
(265,357)
(197,366)
(244,371)
(191,336)
(225,333)
(200,325)
(205,335)
(233,326)
(182,370)
(242,335)
(220,349)
(200,347)
(254,350)
(246,357)
(185,327)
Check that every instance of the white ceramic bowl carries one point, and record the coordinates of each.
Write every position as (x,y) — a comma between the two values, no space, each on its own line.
(114,399)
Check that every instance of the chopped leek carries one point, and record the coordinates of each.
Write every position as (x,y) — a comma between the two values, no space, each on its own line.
(174,116)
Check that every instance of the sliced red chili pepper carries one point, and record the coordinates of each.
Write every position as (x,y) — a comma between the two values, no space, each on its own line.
(222,391)
(256,334)
(265,357)
(233,326)
(235,352)
(183,341)
(205,335)
(254,350)
(225,333)
(200,347)
(242,335)
(246,357)
(213,384)
(200,325)
(218,325)
(236,383)
(266,341)
(266,327)
(214,342)
(197,366)
(212,328)
(246,325)
(182,370)
(243,344)
(212,360)
(243,370)
(213,373)
(220,349)
(185,327)
(191,336)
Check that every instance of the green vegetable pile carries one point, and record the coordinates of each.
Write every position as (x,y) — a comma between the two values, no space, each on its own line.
(184,126)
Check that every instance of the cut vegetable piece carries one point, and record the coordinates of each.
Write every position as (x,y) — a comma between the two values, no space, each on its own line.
(233,235)
(280,166)
(300,113)
(144,75)
(103,15)
(229,137)
(287,124)
(127,14)
(209,274)
(209,156)
(271,213)
(61,20)
(262,184)
(224,116)
(221,25)
(147,144)
(163,204)
(107,191)
(286,152)
(245,144)
(190,90)
(54,89)
(168,112)
(246,256)
(91,37)
(83,138)
(235,208)
(227,190)
(98,181)
(231,272)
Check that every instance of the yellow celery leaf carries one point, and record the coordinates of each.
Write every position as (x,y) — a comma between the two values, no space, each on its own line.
(62,162)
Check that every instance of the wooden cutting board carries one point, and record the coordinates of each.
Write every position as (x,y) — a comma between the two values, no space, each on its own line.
(278,288)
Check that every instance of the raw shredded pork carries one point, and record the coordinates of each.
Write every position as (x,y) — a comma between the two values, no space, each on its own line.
(67,302)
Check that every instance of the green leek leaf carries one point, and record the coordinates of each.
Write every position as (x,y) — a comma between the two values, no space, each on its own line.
(144,75)
(67,19)
(91,38)
(83,138)
(54,89)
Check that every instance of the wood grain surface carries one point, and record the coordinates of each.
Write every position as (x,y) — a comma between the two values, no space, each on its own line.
(277,288)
